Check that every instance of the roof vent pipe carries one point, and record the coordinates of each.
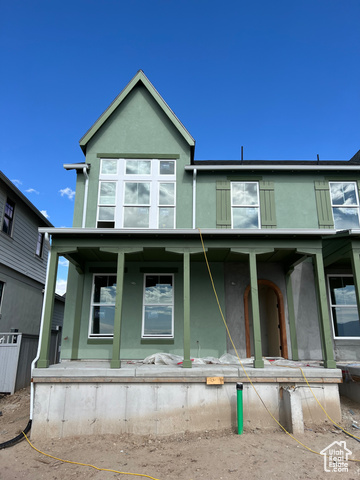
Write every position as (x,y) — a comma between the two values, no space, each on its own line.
(242,153)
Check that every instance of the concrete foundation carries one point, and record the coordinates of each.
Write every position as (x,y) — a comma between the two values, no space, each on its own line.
(351,381)
(88,398)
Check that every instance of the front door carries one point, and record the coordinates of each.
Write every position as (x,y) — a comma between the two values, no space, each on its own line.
(272,321)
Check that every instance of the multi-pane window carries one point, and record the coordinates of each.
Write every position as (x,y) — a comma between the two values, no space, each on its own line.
(345,205)
(158,306)
(137,193)
(107,204)
(103,305)
(8,221)
(245,205)
(343,306)
(39,244)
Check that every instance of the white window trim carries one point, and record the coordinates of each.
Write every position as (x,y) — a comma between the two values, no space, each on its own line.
(154,178)
(143,336)
(95,304)
(341,306)
(357,206)
(244,206)
(99,205)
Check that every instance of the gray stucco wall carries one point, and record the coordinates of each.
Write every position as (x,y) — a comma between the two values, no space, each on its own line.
(306,312)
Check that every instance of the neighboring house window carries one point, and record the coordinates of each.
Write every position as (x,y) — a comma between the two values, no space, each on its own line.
(8,221)
(158,306)
(345,205)
(343,306)
(103,305)
(245,205)
(137,193)
(39,244)
(2,285)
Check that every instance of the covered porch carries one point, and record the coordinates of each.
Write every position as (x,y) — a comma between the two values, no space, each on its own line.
(114,249)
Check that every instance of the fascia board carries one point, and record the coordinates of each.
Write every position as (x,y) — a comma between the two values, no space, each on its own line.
(140,76)
(348,168)
(191,232)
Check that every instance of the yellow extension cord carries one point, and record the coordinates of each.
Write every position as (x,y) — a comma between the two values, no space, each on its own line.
(87,464)
(247,376)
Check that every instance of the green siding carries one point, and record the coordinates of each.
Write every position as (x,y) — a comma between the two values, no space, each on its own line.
(206,329)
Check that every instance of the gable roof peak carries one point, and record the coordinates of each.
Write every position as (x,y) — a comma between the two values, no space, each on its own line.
(139,77)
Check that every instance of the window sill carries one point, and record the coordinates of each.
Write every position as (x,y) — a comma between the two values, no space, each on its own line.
(157,341)
(100,340)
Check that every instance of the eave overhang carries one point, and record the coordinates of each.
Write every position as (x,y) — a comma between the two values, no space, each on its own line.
(187,233)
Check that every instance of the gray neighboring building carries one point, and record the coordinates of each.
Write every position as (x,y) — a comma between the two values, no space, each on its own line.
(23,261)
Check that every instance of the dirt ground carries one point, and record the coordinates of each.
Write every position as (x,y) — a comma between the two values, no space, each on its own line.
(207,455)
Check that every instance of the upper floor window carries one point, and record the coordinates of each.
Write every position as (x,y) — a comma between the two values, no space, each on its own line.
(345,204)
(343,306)
(39,244)
(8,222)
(103,305)
(245,205)
(137,193)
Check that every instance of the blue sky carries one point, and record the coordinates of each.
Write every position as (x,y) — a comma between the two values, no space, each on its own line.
(281,78)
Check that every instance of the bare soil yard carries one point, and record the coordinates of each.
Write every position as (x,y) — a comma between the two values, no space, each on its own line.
(207,455)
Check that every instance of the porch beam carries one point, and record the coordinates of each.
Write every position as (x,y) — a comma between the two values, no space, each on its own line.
(182,250)
(258,360)
(291,314)
(324,320)
(187,361)
(48,308)
(123,250)
(248,251)
(115,361)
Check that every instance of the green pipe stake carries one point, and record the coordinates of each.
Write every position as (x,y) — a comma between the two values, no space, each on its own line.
(240,419)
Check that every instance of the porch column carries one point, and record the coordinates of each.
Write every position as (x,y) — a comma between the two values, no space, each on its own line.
(258,360)
(115,361)
(291,314)
(324,320)
(355,265)
(77,317)
(187,360)
(48,308)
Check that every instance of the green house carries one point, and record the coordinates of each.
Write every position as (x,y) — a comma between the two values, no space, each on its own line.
(165,249)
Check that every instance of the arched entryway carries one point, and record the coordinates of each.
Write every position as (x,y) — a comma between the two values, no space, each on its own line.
(272,320)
